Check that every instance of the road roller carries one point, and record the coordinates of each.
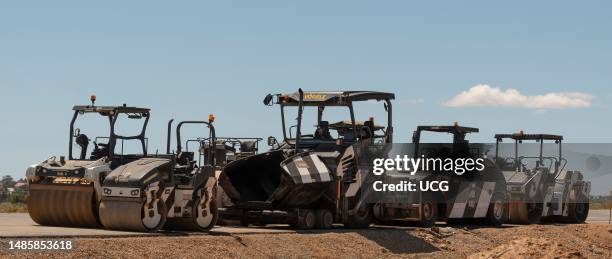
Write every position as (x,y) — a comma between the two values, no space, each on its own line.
(474,196)
(173,191)
(540,187)
(66,192)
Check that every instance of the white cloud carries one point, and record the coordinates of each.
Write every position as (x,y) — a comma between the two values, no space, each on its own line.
(485,95)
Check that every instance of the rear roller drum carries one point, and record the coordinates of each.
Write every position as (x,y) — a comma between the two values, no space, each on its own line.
(63,205)
(133,216)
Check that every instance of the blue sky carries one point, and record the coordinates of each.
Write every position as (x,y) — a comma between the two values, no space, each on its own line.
(190,58)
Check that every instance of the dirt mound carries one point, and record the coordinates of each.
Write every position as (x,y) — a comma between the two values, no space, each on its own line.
(529,247)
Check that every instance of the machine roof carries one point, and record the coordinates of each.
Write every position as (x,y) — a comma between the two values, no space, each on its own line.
(335,97)
(107,109)
(447,129)
(522,136)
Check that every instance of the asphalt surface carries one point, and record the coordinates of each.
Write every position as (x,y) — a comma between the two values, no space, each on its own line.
(599,217)
(21,225)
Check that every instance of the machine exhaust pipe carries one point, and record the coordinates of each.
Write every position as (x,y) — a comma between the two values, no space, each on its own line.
(168,138)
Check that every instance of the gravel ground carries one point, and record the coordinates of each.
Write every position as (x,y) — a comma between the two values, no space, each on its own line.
(536,241)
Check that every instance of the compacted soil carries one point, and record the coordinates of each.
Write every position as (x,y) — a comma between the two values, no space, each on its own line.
(533,241)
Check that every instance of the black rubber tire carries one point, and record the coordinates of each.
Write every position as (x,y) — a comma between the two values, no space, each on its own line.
(306,219)
(578,211)
(428,210)
(496,213)
(324,219)
(161,207)
(362,219)
(213,210)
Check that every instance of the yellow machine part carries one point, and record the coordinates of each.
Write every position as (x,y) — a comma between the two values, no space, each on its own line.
(71,205)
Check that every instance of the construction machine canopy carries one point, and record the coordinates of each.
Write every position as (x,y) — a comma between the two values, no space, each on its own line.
(449,129)
(459,133)
(330,98)
(110,110)
(336,99)
(108,149)
(522,136)
(516,161)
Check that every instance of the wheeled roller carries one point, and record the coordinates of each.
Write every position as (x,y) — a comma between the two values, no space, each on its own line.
(66,190)
(139,197)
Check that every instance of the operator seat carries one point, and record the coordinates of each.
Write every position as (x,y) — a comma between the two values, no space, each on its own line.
(100,151)
(248,146)
(322,131)
(83,141)
(367,131)
(185,158)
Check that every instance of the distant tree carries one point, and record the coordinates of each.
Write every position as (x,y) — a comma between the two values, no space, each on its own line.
(18,197)
(7,181)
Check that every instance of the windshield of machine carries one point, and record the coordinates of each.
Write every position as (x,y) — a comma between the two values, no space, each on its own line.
(527,154)
(129,125)
(195,141)
(377,113)
(89,129)
(311,128)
